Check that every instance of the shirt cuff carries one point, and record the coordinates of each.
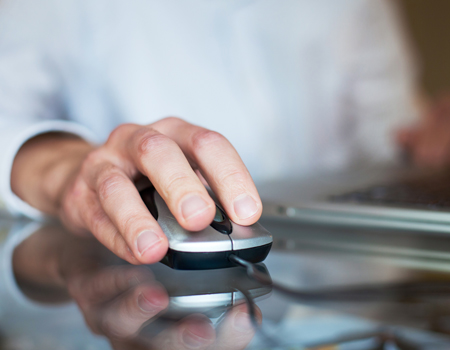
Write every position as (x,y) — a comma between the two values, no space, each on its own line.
(12,138)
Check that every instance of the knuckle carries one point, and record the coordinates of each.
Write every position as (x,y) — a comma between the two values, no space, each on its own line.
(120,132)
(110,186)
(109,327)
(233,176)
(150,141)
(94,157)
(76,191)
(207,138)
(110,182)
(169,123)
(141,274)
(176,182)
(132,224)
(171,120)
(97,221)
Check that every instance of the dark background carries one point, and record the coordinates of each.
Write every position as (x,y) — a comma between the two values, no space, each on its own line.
(428,22)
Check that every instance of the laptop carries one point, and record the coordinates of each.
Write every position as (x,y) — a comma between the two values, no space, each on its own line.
(385,197)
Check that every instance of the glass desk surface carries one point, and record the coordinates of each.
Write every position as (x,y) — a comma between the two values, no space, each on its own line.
(58,291)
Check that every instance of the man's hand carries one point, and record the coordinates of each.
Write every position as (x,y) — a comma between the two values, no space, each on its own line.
(92,189)
(428,142)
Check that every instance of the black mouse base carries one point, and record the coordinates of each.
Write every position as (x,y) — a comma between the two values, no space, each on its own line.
(213,260)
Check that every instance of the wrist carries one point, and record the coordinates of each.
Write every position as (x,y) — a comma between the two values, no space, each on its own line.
(44,166)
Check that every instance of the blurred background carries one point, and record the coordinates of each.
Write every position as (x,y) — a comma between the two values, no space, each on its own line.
(429,28)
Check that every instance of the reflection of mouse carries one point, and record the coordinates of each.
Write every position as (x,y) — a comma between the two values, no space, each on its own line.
(210,292)
(211,247)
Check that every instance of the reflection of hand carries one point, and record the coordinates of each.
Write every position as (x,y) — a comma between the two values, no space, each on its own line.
(196,332)
(93,190)
(428,142)
(118,301)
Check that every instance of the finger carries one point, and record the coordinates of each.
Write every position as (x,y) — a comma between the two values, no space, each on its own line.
(194,332)
(236,331)
(221,166)
(96,221)
(70,210)
(122,203)
(107,283)
(202,179)
(163,162)
(126,315)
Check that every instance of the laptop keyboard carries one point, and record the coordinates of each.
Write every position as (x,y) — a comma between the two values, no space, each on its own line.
(424,193)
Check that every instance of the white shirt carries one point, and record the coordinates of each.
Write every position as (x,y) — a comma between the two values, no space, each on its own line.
(297,86)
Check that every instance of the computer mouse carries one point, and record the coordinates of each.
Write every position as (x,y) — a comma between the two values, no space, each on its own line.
(211,247)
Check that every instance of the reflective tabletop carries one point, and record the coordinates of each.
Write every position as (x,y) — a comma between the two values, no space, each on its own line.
(333,288)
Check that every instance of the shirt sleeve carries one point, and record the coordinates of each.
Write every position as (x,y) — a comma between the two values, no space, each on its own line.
(31,87)
(381,91)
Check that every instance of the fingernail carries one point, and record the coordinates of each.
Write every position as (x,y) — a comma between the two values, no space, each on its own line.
(145,305)
(242,322)
(197,333)
(192,206)
(192,340)
(245,206)
(146,240)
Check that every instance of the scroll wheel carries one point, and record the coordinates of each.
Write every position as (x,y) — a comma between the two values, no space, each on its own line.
(221,223)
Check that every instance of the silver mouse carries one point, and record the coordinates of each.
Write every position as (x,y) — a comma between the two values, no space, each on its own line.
(211,247)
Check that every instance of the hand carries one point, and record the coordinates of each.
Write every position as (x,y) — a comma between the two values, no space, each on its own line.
(428,142)
(92,189)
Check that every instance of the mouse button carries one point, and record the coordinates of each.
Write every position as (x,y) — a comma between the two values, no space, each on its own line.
(219,217)
(148,197)
(207,240)
(245,237)
(221,223)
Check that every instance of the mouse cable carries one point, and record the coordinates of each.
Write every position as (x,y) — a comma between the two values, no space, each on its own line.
(374,292)
(382,336)
(362,293)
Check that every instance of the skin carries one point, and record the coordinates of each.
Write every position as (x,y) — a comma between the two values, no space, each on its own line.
(92,189)
(427,143)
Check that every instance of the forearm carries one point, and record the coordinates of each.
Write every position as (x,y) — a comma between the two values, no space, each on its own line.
(44,165)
